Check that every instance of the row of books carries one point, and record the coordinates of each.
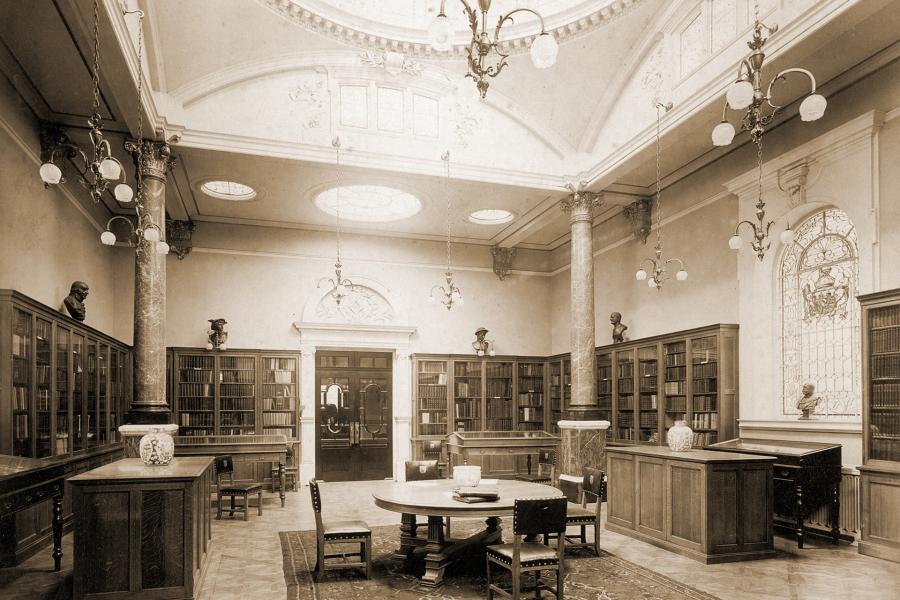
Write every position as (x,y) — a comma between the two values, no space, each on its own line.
(236,404)
(531,370)
(625,433)
(196,390)
(236,431)
(626,419)
(676,373)
(604,402)
(648,402)
(433,392)
(626,370)
(195,432)
(20,397)
(626,386)
(604,387)
(709,420)
(276,418)
(705,386)
(528,413)
(467,409)
(531,398)
(885,317)
(433,403)
(648,385)
(885,423)
(196,403)
(705,439)
(648,420)
(237,418)
(675,388)
(433,366)
(195,419)
(499,370)
(647,368)
(195,376)
(280,364)
(676,359)
(498,388)
(237,362)
(279,376)
(701,370)
(467,370)
(706,403)
(236,389)
(676,404)
(466,426)
(433,379)
(498,409)
(467,388)
(196,362)
(244,377)
(626,404)
(886,340)
(428,418)
(885,394)
(886,366)
(500,424)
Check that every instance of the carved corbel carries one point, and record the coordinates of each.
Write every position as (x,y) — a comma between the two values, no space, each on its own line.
(503,258)
(179,237)
(792,181)
(639,214)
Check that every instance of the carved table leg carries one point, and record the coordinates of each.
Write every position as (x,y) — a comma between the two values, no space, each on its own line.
(408,539)
(798,514)
(281,480)
(57,532)
(434,560)
(836,514)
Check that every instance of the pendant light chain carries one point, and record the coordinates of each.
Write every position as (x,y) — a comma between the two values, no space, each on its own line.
(95,109)
(447,197)
(658,193)
(337,147)
(759,170)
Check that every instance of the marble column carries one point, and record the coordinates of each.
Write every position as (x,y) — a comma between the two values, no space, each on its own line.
(308,402)
(149,402)
(583,404)
(402,412)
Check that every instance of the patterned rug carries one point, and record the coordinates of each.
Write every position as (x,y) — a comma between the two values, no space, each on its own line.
(587,577)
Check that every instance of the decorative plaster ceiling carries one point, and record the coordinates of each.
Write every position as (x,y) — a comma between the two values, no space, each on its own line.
(402,25)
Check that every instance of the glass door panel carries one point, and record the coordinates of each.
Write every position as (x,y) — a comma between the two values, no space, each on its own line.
(22,355)
(556,394)
(374,413)
(675,385)
(91,386)
(237,395)
(884,393)
(279,396)
(531,397)
(625,395)
(196,394)
(78,421)
(431,390)
(705,390)
(62,391)
(605,385)
(103,393)
(467,395)
(335,413)
(498,392)
(43,378)
(648,374)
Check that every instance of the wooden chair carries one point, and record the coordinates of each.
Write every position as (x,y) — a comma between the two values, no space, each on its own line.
(339,532)
(531,518)
(593,484)
(423,470)
(546,471)
(224,467)
(436,450)
(291,472)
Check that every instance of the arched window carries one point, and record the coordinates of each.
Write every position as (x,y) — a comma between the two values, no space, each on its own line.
(820,315)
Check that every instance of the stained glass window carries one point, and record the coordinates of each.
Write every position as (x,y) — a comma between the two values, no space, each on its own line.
(820,315)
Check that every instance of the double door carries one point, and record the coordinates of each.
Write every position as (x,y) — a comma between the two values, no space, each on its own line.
(353,419)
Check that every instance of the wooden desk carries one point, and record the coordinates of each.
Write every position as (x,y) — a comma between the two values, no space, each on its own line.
(710,506)
(248,451)
(142,532)
(469,444)
(434,498)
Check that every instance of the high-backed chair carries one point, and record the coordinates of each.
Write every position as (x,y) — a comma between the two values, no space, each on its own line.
(546,469)
(530,518)
(224,468)
(339,532)
(291,472)
(437,450)
(581,515)
(423,470)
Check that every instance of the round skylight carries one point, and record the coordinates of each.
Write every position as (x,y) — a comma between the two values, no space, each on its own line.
(491,216)
(372,203)
(228,190)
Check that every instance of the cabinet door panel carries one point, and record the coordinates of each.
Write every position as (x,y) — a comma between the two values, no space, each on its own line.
(621,491)
(686,506)
(651,516)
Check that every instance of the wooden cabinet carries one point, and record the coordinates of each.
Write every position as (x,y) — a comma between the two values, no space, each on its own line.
(239,392)
(142,532)
(710,506)
(880,472)
(64,386)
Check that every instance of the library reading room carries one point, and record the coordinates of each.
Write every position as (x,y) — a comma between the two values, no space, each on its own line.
(449,299)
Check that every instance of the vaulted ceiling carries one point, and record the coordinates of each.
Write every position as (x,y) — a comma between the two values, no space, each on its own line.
(255,91)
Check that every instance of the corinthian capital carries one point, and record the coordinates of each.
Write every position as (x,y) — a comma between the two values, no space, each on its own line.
(155,158)
(580,204)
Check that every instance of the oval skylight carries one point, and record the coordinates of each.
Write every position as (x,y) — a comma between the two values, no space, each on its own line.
(228,190)
(491,216)
(371,203)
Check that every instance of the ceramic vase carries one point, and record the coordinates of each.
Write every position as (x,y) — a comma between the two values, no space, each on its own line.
(680,437)
(157,448)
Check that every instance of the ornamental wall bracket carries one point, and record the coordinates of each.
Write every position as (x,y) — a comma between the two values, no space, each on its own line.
(639,213)
(792,181)
(179,237)
(392,62)
(503,258)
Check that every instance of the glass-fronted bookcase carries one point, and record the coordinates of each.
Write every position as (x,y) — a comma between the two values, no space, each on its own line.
(880,471)
(64,386)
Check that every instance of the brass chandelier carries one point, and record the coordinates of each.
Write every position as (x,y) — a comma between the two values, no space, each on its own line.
(657,264)
(449,295)
(340,286)
(746,94)
(482,66)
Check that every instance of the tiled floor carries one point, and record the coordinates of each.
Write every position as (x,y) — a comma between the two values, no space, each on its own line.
(245,560)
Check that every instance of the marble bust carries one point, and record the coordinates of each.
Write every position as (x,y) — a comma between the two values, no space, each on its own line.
(74,302)
(807,403)
(618,328)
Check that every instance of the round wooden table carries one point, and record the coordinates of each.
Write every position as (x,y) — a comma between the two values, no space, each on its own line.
(434,498)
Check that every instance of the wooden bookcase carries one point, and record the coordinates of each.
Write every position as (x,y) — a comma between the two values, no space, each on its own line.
(880,472)
(531,389)
(64,386)
(560,373)
(238,392)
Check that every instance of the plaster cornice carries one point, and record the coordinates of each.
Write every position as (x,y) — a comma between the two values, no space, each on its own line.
(355,30)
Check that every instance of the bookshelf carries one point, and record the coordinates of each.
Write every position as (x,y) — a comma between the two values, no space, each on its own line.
(605,385)
(648,404)
(705,390)
(431,397)
(498,396)
(467,395)
(530,398)
(238,392)
(57,394)
(625,404)
(556,394)
(880,472)
(675,394)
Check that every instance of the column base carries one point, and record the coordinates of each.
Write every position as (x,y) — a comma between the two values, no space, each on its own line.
(583,414)
(582,444)
(132,434)
(148,415)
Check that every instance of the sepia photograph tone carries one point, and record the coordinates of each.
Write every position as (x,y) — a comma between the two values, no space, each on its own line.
(449,299)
